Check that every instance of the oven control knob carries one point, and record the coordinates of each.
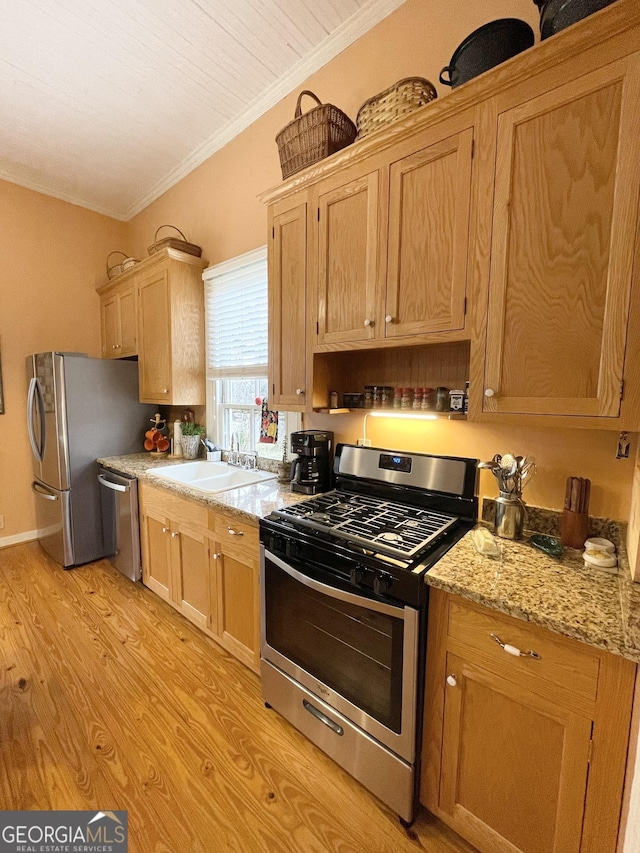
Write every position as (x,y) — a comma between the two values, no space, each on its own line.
(381,583)
(356,575)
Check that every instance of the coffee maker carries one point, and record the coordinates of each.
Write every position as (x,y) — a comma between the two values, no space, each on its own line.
(311,470)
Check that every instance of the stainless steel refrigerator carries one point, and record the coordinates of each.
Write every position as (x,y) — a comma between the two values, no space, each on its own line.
(78,408)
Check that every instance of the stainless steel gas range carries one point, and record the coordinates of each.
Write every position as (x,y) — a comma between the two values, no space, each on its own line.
(344,608)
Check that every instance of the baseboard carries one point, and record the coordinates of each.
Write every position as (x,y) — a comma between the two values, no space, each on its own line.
(27,536)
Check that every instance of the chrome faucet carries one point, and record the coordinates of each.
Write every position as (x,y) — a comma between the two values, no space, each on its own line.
(249,460)
(233,456)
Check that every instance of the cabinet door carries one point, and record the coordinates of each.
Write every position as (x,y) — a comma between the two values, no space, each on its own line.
(238,613)
(127,322)
(109,326)
(348,261)
(287,308)
(514,764)
(156,554)
(429,202)
(564,225)
(154,338)
(190,563)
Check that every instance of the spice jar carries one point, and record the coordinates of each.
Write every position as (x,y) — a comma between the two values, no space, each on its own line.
(427,398)
(417,398)
(368,396)
(386,396)
(377,396)
(456,400)
(406,398)
(397,398)
(442,399)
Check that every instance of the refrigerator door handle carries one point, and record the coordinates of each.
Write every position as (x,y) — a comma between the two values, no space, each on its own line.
(40,490)
(110,485)
(35,394)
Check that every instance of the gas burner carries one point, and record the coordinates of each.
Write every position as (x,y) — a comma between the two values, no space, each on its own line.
(388,536)
(321,517)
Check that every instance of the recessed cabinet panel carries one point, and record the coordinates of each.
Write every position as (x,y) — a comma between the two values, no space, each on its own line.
(429,238)
(514,764)
(562,246)
(109,323)
(127,307)
(156,572)
(287,308)
(348,261)
(155,338)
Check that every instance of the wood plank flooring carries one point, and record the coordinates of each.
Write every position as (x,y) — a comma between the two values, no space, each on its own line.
(110,699)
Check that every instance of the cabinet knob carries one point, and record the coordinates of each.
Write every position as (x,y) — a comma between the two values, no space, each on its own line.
(233,532)
(165,529)
(113,346)
(368,322)
(299,391)
(216,556)
(388,319)
(452,681)
(174,534)
(165,390)
(489,392)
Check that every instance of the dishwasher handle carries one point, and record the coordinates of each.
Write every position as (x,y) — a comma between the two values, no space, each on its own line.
(115,486)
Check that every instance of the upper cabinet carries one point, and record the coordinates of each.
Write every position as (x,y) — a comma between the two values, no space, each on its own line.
(160,304)
(287,258)
(564,231)
(393,242)
(118,321)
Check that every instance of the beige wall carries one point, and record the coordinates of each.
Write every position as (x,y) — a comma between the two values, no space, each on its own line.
(52,257)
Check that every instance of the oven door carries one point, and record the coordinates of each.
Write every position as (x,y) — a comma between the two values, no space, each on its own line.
(358,654)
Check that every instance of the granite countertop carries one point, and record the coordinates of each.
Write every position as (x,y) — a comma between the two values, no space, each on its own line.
(560,594)
(255,501)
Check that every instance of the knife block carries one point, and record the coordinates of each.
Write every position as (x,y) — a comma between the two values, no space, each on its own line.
(574,528)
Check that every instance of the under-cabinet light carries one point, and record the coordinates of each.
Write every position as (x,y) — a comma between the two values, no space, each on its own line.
(422,416)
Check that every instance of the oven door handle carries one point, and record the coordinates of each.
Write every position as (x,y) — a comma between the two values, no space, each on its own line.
(332,592)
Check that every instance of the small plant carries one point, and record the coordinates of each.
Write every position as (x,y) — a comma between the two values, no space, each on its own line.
(189,428)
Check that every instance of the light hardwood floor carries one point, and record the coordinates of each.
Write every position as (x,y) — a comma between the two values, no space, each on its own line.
(110,699)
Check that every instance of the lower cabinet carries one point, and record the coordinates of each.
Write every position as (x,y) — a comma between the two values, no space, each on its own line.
(522,753)
(205,563)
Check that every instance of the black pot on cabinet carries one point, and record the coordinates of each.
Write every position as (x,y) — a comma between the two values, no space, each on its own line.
(485,48)
(555,15)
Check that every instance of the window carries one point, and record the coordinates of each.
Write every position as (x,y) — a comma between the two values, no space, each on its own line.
(236,312)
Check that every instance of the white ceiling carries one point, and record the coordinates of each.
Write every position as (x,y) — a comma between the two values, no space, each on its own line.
(108,103)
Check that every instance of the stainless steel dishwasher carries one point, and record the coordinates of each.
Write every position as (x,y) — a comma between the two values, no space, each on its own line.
(120,524)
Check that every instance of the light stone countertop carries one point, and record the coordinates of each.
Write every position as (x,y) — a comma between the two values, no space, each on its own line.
(255,501)
(560,594)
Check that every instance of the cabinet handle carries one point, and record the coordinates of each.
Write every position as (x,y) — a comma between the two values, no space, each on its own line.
(165,529)
(512,650)
(489,392)
(174,534)
(299,391)
(452,681)
(233,532)
(368,322)
(388,319)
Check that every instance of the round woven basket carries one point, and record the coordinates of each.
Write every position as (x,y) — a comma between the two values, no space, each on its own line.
(114,270)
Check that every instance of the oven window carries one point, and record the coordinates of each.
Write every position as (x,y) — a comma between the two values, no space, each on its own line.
(353,650)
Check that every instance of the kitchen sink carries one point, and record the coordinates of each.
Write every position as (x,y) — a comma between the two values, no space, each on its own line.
(210,477)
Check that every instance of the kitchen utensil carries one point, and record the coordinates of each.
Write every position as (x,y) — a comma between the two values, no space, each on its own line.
(549,544)
(555,15)
(487,46)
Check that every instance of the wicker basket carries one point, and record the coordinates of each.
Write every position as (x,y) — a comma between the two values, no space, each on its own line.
(174,243)
(116,269)
(313,136)
(397,101)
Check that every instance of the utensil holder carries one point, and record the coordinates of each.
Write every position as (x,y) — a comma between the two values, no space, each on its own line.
(574,528)
(510,512)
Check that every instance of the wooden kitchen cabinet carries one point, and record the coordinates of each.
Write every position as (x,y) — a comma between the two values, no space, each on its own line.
(522,753)
(155,310)
(118,321)
(565,213)
(171,331)
(205,563)
(393,243)
(287,258)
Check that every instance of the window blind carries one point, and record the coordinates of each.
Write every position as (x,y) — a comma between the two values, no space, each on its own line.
(236,311)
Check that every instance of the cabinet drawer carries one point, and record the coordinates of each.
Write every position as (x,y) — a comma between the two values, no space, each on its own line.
(563,663)
(235,534)
(178,509)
